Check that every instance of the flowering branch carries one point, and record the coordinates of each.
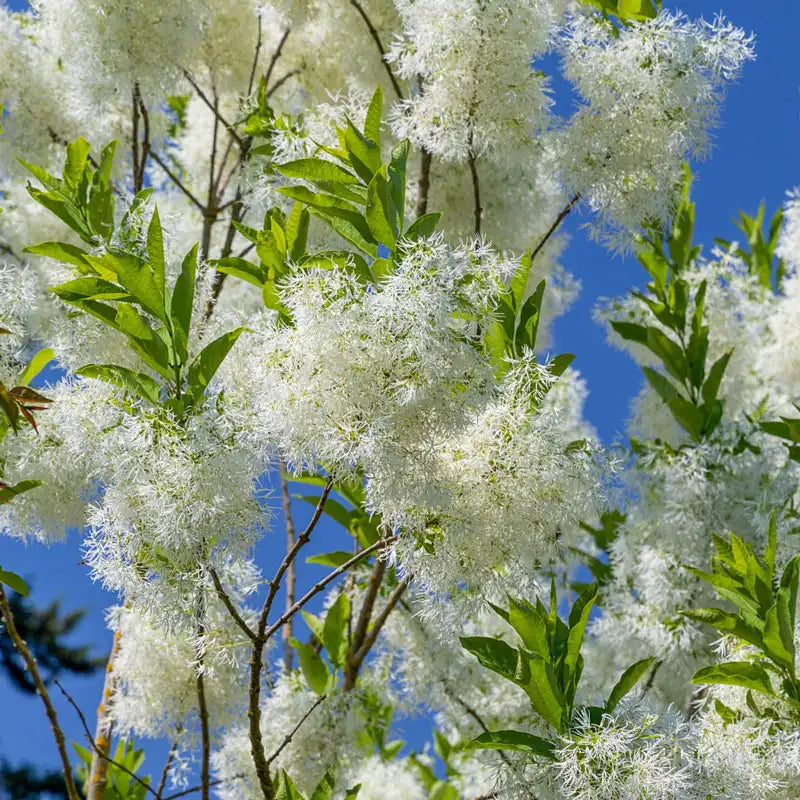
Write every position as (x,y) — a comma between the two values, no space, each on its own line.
(41,690)
(99,752)
(554,227)
(377,39)
(296,728)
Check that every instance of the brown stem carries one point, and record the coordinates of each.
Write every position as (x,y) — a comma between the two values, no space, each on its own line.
(278,83)
(320,585)
(30,664)
(193,789)
(275,56)
(476,185)
(177,181)
(202,709)
(554,227)
(257,654)
(105,724)
(213,107)
(254,65)
(228,603)
(355,660)
(296,728)
(88,733)
(167,767)
(291,577)
(424,183)
(377,39)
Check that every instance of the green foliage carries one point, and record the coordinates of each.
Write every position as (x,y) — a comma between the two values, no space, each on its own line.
(760,257)
(547,666)
(47,632)
(788,429)
(120,785)
(14,581)
(687,385)
(20,402)
(126,288)
(286,790)
(83,197)
(765,606)
(604,537)
(627,10)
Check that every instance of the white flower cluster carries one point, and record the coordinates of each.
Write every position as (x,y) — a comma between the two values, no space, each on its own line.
(473,61)
(650,93)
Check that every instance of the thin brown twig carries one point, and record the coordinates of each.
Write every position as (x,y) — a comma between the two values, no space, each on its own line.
(291,577)
(278,83)
(254,65)
(30,664)
(214,107)
(257,653)
(108,758)
(176,180)
(476,185)
(554,227)
(228,603)
(275,56)
(377,39)
(296,728)
(320,585)
(211,784)
(167,766)
(357,659)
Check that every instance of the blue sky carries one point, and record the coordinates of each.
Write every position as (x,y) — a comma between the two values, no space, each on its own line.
(754,159)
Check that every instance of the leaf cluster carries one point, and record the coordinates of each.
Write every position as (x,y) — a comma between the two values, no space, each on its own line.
(286,790)
(120,784)
(547,666)
(765,606)
(686,384)
(128,291)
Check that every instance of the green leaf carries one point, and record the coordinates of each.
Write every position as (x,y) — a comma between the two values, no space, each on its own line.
(8,493)
(76,160)
(632,675)
(665,390)
(208,361)
(352,227)
(578,619)
(378,214)
(286,790)
(726,622)
(89,289)
(241,268)
(61,251)
(137,382)
(324,789)
(365,155)
(333,559)
(182,303)
(513,740)
(42,358)
(670,353)
(12,580)
(736,673)
(334,632)
(540,683)
(396,172)
(493,654)
(778,636)
(422,227)
(312,666)
(316,169)
(526,621)
(136,276)
(630,331)
(155,252)
(297,232)
(372,123)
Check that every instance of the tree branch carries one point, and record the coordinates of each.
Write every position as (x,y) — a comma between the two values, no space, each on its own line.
(278,83)
(177,181)
(554,227)
(275,56)
(167,766)
(41,690)
(476,185)
(296,728)
(228,603)
(291,578)
(377,39)
(108,758)
(105,725)
(213,107)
